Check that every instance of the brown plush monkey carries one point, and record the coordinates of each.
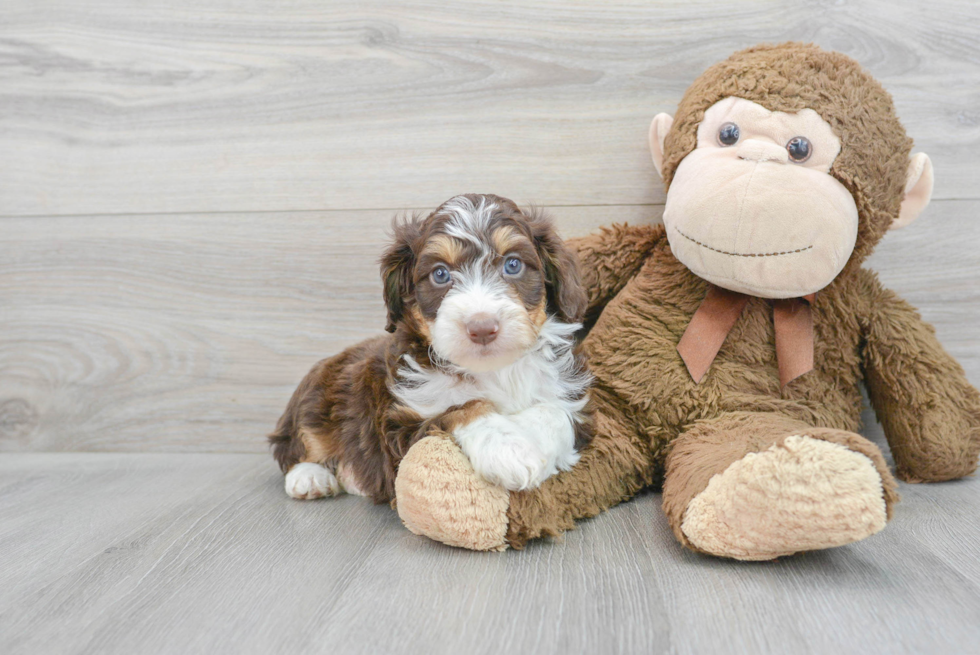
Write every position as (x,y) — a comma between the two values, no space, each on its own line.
(719,375)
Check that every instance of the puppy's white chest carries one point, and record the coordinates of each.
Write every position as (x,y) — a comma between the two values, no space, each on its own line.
(546,375)
(431,393)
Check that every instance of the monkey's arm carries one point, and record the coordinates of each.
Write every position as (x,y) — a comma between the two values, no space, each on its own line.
(610,257)
(929,411)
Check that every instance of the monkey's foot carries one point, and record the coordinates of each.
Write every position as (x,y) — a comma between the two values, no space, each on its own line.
(801,494)
(440,496)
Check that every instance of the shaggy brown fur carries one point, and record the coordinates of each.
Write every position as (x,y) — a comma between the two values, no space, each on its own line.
(343,412)
(656,426)
(653,421)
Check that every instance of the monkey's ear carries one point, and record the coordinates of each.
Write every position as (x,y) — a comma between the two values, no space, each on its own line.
(918,190)
(397,264)
(658,132)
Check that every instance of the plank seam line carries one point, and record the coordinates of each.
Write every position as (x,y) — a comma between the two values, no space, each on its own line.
(353,209)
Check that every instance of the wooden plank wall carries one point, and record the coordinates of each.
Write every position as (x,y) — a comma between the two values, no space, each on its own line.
(193,196)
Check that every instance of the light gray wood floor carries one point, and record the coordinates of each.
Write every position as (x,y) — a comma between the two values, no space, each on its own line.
(181,553)
(193,196)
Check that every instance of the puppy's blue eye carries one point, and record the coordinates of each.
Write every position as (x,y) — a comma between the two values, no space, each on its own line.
(440,276)
(513,266)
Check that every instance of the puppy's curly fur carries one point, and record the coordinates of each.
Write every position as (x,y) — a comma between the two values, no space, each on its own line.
(511,390)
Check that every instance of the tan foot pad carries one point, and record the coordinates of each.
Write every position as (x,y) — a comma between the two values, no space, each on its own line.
(802,494)
(440,496)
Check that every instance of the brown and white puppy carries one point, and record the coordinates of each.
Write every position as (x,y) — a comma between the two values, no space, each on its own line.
(483,302)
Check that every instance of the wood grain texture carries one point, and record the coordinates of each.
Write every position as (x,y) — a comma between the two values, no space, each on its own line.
(115,553)
(189,333)
(164,333)
(116,107)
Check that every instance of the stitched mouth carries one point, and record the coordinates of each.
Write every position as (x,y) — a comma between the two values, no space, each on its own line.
(744,254)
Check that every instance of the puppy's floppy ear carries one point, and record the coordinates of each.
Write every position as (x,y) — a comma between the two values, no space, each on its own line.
(566,296)
(397,264)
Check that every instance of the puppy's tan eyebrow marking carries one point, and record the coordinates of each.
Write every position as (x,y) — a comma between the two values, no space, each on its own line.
(506,238)
(446,248)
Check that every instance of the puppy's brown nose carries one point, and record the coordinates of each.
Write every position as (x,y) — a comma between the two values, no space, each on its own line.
(482,328)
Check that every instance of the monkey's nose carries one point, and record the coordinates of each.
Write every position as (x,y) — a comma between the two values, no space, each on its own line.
(482,328)
(760,151)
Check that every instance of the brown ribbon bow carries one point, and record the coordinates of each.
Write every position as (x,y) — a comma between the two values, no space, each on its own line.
(716,317)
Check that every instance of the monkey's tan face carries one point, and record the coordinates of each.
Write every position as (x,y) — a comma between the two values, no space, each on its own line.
(754,209)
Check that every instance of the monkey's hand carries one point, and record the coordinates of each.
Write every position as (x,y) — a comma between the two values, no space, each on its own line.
(929,411)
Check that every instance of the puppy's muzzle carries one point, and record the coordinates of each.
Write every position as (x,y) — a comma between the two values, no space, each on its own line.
(482,328)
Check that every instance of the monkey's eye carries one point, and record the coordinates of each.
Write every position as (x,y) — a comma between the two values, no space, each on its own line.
(440,276)
(728,134)
(799,149)
(513,266)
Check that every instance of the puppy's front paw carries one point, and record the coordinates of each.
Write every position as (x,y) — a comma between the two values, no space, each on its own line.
(502,454)
(513,465)
(308,481)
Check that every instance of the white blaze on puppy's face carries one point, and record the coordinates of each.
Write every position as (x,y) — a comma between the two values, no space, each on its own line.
(754,209)
(482,277)
(481,300)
